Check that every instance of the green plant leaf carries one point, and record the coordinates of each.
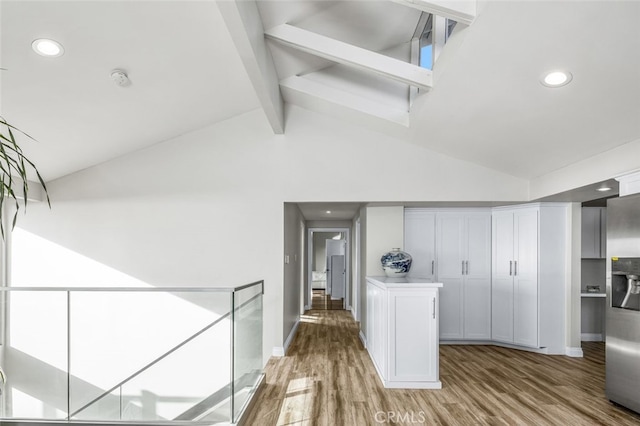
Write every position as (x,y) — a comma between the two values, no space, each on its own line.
(13,163)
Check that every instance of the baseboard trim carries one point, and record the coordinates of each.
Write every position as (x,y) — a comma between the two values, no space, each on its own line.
(591,337)
(277,351)
(292,334)
(574,352)
(362,338)
(543,350)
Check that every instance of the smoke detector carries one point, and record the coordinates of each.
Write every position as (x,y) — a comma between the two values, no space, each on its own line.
(120,78)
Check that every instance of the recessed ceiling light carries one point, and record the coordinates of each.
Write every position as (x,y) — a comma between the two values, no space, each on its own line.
(556,78)
(604,189)
(328,211)
(47,47)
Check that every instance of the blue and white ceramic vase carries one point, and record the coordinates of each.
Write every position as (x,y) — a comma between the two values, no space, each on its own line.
(396,263)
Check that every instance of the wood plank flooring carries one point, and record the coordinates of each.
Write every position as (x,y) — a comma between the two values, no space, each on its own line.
(320,300)
(328,379)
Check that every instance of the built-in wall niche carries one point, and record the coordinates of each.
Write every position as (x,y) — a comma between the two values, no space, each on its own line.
(593,273)
(593,270)
(592,306)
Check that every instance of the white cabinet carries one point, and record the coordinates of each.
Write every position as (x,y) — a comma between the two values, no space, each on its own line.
(420,242)
(463,252)
(529,253)
(402,331)
(376,327)
(594,236)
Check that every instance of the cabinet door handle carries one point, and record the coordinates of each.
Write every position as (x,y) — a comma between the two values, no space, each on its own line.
(434,308)
(511,267)
(466,263)
(462,267)
(433,267)
(515,267)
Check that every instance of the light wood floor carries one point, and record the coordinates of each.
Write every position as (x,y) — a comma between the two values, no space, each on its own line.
(320,300)
(327,378)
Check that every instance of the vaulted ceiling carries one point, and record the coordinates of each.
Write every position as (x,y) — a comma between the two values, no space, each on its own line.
(191,65)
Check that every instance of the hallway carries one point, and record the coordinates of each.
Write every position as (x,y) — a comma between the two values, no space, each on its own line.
(328,379)
(322,301)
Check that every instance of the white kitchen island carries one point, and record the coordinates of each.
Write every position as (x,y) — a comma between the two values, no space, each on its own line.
(402,331)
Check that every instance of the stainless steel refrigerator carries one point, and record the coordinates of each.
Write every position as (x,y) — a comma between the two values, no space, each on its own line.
(623,302)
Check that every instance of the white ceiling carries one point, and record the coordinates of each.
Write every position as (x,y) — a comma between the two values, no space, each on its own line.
(183,66)
(339,211)
(487,105)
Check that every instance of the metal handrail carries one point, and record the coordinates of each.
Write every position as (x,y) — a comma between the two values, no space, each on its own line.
(170,351)
(139,289)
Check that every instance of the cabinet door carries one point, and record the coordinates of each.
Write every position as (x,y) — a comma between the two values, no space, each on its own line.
(525,274)
(413,353)
(502,277)
(380,330)
(419,242)
(370,313)
(591,241)
(603,233)
(477,278)
(450,268)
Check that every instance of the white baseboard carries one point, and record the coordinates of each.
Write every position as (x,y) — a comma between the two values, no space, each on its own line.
(591,337)
(292,334)
(574,352)
(545,350)
(362,338)
(307,307)
(282,350)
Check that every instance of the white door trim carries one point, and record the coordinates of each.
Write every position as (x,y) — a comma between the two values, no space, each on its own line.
(347,288)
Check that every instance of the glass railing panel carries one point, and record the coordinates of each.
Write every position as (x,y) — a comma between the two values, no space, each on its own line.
(115,334)
(137,354)
(189,384)
(34,355)
(247,340)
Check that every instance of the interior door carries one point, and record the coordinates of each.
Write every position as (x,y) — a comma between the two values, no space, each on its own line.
(333,248)
(337,276)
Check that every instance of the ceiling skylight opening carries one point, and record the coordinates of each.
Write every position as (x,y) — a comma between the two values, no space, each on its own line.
(433,32)
(556,78)
(47,47)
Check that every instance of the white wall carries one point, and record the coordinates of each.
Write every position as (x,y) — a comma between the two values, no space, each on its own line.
(206,208)
(384,231)
(612,163)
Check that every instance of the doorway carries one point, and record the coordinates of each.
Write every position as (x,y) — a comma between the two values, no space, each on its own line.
(328,268)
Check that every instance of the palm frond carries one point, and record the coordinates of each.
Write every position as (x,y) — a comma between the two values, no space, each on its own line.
(14,164)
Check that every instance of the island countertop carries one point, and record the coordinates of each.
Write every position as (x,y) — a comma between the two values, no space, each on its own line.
(409,282)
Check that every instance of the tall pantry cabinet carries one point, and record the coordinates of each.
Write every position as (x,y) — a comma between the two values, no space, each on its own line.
(529,258)
(454,247)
